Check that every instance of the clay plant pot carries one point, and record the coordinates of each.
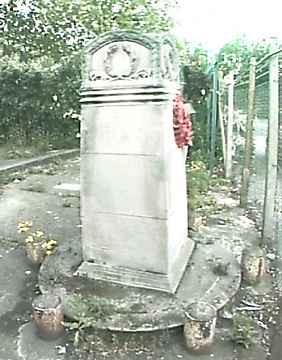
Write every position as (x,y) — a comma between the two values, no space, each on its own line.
(48,315)
(199,327)
(35,253)
(253,265)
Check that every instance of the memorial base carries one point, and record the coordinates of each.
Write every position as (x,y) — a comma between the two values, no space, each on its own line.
(138,278)
(132,309)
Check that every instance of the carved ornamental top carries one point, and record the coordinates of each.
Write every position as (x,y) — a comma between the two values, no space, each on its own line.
(129,59)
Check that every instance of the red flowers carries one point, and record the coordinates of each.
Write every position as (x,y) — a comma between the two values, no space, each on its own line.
(182,123)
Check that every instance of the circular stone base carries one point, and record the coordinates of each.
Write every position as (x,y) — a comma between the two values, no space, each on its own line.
(121,308)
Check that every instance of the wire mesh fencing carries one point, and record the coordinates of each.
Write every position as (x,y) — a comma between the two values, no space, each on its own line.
(265,178)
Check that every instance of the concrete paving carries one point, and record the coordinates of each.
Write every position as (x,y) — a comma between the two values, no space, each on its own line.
(31,347)
(256,199)
(135,309)
(18,337)
(18,279)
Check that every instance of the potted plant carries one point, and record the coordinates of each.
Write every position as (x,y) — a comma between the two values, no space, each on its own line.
(37,244)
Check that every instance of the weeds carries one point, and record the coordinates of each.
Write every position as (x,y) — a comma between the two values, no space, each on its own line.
(244,330)
(78,327)
(199,182)
(87,312)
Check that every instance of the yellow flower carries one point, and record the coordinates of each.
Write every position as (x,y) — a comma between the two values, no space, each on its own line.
(25,223)
(52,242)
(29,239)
(49,252)
(38,233)
(22,230)
(24,226)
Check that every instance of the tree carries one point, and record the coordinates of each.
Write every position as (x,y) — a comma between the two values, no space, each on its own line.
(194,74)
(18,27)
(196,86)
(35,28)
(40,45)
(236,54)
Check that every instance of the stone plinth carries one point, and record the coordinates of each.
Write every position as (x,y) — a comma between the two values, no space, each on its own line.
(133,182)
(126,308)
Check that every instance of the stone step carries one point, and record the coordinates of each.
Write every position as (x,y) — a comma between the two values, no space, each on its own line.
(213,275)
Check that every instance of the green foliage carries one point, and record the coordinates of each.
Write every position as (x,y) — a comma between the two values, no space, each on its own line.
(39,102)
(195,87)
(236,54)
(199,176)
(78,327)
(88,311)
(244,330)
(199,120)
(62,26)
(11,151)
(39,68)
(140,15)
(198,183)
(17,20)
(93,307)
(196,84)
(199,59)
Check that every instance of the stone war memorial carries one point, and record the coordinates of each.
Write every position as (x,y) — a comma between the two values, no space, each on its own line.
(133,183)
(134,259)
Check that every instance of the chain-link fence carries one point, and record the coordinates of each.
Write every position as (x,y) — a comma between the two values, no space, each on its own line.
(265,182)
(278,207)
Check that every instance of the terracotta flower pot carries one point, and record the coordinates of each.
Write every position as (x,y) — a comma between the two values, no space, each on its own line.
(253,265)
(199,327)
(48,316)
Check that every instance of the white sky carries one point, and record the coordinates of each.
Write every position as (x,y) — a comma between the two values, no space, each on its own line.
(215,22)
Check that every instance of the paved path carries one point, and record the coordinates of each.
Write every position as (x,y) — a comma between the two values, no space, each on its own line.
(18,278)
(18,339)
(257,193)
(16,164)
(17,336)
(277,336)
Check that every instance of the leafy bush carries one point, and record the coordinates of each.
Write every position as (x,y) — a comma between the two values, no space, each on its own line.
(39,102)
(198,183)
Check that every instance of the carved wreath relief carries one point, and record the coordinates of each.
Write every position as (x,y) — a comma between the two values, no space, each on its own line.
(121,62)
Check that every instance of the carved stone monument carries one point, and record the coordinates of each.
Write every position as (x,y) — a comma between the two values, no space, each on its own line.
(133,182)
